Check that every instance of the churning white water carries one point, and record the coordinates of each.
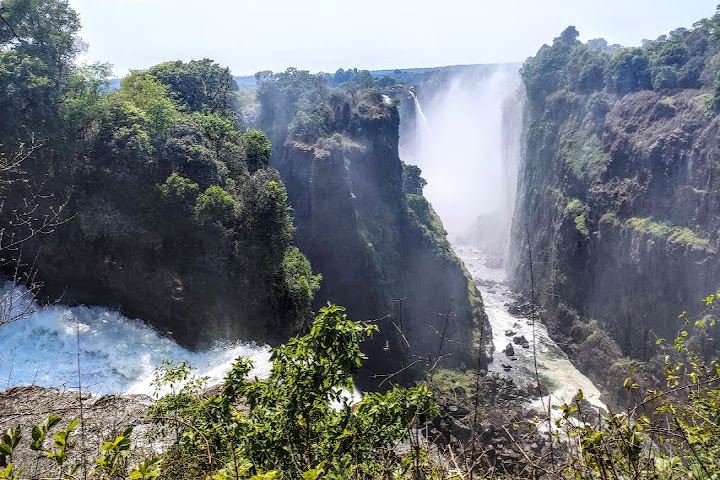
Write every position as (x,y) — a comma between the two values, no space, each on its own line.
(117,354)
(556,371)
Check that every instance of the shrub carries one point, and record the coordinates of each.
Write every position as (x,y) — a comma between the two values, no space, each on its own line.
(179,190)
(217,206)
(297,423)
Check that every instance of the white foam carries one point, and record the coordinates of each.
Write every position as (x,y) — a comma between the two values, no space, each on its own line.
(555,369)
(117,354)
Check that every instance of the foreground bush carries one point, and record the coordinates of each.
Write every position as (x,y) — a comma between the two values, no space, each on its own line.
(299,422)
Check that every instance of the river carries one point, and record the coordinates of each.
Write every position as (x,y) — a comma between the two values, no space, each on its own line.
(555,370)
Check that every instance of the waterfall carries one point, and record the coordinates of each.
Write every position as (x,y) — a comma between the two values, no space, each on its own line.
(420,119)
(456,141)
(422,129)
(470,160)
(118,354)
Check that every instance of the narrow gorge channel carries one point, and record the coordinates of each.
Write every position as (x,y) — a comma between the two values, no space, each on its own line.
(465,132)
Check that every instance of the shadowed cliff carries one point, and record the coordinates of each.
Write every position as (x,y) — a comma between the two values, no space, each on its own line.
(382,251)
(618,192)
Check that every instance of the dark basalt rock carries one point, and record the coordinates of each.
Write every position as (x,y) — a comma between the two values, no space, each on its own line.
(355,226)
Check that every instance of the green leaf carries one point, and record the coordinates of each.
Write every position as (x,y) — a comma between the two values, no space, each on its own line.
(310,474)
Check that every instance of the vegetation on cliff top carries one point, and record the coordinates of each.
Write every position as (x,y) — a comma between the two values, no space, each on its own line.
(685,58)
(161,155)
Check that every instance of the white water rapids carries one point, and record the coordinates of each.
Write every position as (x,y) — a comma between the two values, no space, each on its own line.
(117,354)
(556,371)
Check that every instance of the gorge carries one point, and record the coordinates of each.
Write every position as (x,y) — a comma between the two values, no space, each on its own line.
(521,252)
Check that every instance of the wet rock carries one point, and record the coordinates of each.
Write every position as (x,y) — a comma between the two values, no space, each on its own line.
(521,340)
(506,366)
(533,390)
(509,333)
(521,309)
(494,261)
(509,350)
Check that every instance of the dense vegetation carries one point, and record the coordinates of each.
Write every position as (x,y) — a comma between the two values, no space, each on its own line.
(168,200)
(685,58)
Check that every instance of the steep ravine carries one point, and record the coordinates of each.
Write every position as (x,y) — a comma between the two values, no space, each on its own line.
(380,257)
(485,101)
(513,335)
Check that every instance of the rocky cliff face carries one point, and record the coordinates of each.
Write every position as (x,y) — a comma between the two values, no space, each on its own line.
(178,222)
(382,256)
(618,195)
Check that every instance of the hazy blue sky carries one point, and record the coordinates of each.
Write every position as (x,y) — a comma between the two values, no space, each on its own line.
(253,35)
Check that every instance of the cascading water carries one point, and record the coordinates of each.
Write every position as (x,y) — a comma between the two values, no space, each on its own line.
(421,123)
(470,159)
(456,142)
(117,354)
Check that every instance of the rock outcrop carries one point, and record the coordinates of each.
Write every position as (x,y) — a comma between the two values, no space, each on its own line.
(383,255)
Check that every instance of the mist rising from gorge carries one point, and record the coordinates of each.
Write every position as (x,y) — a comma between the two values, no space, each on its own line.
(455,136)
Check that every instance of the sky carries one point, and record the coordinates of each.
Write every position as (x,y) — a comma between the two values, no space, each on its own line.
(324,35)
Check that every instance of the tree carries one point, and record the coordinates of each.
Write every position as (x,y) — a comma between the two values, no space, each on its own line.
(256,149)
(216,206)
(180,191)
(43,29)
(200,85)
(664,77)
(569,36)
(628,71)
(543,74)
(386,81)
(602,45)
(151,97)
(310,121)
(413,182)
(38,45)
(218,129)
(282,95)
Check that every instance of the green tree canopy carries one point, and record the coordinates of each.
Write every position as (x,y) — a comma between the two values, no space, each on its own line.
(413,182)
(628,71)
(46,30)
(257,149)
(200,85)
